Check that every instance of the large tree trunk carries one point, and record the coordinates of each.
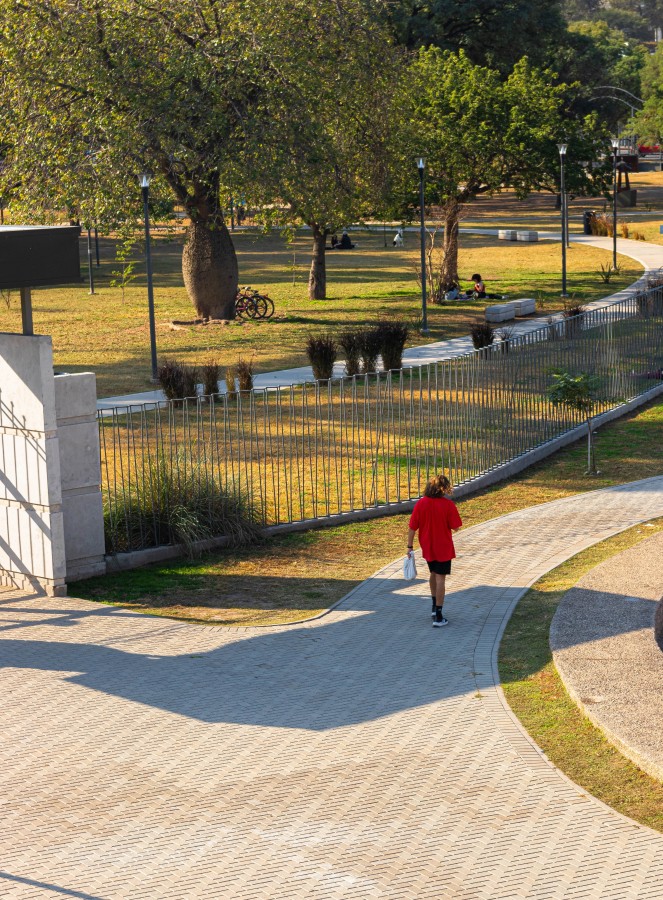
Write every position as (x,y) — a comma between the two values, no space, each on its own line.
(317,279)
(449,273)
(209,266)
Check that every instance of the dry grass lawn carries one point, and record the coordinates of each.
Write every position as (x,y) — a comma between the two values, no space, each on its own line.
(298,575)
(108,335)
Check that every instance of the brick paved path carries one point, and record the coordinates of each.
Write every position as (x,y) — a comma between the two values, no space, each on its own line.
(363,755)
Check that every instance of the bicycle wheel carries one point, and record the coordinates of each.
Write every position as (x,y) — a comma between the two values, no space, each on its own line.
(252,308)
(269,311)
(261,307)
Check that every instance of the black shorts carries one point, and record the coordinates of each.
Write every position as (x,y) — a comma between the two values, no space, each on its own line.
(440,568)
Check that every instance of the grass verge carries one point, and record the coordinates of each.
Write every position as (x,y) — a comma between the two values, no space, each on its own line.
(292,577)
(537,695)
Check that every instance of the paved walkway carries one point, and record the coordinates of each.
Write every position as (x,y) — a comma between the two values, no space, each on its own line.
(361,755)
(605,650)
(649,255)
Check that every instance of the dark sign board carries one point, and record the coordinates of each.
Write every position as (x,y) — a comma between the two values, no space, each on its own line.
(34,256)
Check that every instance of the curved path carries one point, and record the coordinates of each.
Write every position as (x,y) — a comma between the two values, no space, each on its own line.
(361,755)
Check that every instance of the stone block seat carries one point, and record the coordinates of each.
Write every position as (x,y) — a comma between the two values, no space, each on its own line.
(507,234)
(500,312)
(524,306)
(530,237)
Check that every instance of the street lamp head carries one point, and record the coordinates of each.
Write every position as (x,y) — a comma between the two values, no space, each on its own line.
(615,143)
(421,162)
(562,149)
(145,180)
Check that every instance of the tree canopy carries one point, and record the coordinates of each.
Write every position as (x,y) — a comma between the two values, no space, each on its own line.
(482,133)
(94,93)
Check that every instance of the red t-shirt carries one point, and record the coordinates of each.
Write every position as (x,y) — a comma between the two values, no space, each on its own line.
(434,517)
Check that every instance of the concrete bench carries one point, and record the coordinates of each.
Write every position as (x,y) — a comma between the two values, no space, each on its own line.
(529,237)
(506,234)
(500,312)
(525,306)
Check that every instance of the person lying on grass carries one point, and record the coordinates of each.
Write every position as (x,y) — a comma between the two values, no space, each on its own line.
(436,518)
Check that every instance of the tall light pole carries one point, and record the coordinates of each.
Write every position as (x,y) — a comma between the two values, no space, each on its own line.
(562,186)
(145,189)
(90,273)
(421,165)
(615,148)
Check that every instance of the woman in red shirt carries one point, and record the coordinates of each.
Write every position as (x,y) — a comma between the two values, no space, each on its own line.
(435,517)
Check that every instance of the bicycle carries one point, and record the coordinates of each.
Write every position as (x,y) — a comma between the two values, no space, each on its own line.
(253,304)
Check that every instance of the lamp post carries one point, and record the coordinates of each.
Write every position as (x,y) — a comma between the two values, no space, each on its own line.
(615,148)
(562,157)
(90,273)
(421,165)
(145,189)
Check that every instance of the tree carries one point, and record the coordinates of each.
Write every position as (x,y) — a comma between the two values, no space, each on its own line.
(96,92)
(484,29)
(482,134)
(648,124)
(577,393)
(326,163)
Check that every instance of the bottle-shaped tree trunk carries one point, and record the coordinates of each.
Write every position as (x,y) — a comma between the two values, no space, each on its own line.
(317,280)
(209,266)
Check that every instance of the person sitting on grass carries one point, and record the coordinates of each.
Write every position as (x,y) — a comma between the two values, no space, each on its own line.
(345,243)
(478,292)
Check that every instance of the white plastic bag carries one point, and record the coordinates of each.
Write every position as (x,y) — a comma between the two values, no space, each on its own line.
(409,567)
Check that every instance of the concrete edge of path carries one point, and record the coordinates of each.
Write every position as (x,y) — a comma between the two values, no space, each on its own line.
(609,612)
(515,728)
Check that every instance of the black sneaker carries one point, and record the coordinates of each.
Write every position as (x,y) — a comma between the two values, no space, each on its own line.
(440,623)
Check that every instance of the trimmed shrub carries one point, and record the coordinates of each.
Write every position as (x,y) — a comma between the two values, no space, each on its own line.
(394,336)
(483,335)
(350,345)
(211,373)
(322,353)
(370,344)
(178,381)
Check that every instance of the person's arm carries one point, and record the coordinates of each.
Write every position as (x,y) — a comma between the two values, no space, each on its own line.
(410,539)
(455,523)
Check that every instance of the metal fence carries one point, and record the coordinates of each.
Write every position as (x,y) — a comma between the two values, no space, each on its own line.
(314,450)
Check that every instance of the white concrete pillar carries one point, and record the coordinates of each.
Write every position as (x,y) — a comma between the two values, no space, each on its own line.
(80,475)
(32,551)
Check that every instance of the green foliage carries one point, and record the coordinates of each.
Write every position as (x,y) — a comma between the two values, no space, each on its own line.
(124,274)
(485,29)
(178,503)
(575,392)
(482,133)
